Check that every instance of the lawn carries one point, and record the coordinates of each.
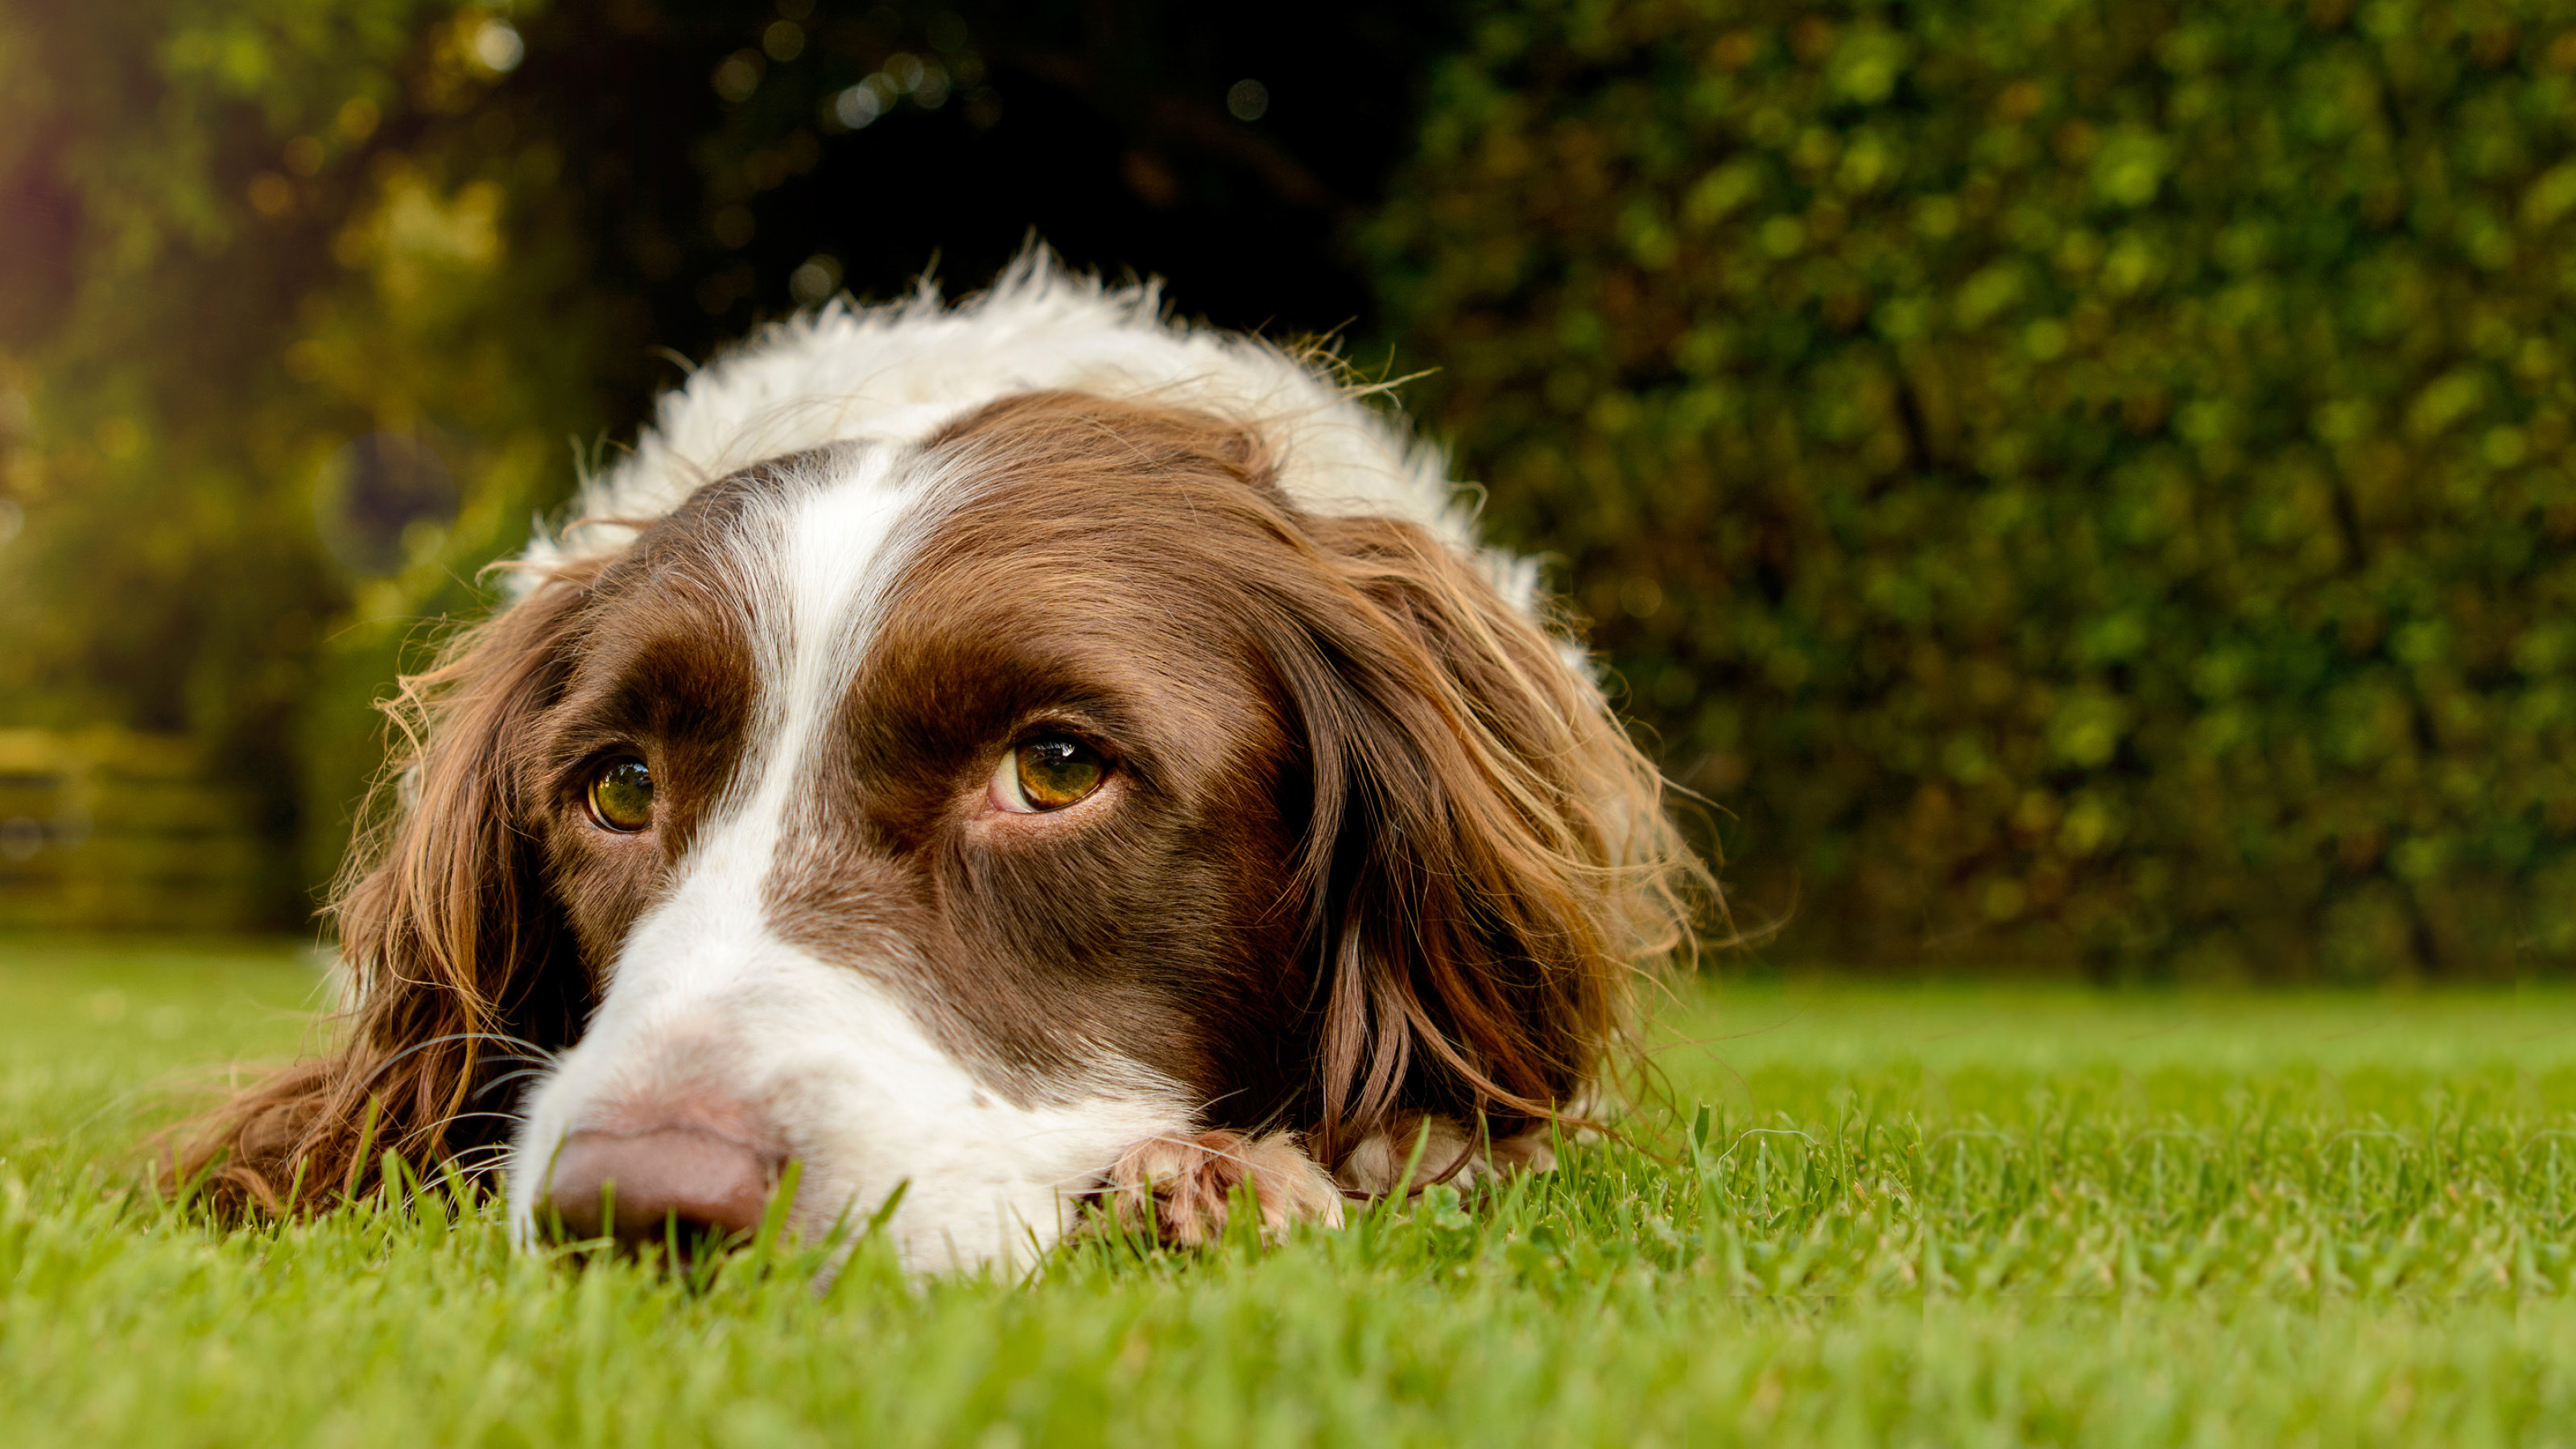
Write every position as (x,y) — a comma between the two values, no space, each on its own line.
(1889,1214)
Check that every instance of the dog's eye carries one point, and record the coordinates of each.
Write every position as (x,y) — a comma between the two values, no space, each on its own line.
(1047,774)
(621,795)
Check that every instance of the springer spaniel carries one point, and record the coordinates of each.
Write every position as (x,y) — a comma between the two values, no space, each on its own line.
(1006,755)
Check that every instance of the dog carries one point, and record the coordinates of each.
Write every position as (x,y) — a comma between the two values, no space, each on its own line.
(993,758)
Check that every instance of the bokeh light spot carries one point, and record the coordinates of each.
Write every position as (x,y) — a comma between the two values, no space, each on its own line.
(738,76)
(271,195)
(816,280)
(357,119)
(498,46)
(1247,100)
(857,106)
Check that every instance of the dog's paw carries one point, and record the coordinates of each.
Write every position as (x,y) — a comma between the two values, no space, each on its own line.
(1448,1154)
(1179,1188)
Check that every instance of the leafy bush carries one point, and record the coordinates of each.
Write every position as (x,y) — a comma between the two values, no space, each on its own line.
(2065,477)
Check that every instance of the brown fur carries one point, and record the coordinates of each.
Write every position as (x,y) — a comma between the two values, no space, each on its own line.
(1385,854)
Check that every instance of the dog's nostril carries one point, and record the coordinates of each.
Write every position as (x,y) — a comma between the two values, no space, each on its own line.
(680,1183)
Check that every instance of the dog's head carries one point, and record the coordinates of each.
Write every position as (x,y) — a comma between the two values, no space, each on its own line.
(956,813)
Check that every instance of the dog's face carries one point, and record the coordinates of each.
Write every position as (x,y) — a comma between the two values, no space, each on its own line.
(922,815)
(967,817)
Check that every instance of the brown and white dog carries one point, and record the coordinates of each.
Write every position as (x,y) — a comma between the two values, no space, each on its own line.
(1018,753)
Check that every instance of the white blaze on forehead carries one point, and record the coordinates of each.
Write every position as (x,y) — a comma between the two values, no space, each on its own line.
(818,563)
(705,996)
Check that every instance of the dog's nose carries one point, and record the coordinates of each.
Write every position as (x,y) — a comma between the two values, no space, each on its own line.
(689,1186)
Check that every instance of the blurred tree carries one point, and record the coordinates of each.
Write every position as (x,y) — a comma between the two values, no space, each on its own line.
(240,236)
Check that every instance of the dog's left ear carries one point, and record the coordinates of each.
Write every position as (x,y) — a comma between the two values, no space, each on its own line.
(456,952)
(1488,864)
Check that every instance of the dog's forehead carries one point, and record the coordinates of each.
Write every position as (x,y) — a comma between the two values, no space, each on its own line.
(818,569)
(779,568)
(807,541)
(817,545)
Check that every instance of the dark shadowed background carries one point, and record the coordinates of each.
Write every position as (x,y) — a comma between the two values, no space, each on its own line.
(2079,487)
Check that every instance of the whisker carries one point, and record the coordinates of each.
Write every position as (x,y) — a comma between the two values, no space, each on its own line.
(380,1068)
(526,1062)
(494,1116)
(506,1078)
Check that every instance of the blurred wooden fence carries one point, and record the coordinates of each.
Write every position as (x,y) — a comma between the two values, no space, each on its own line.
(106,829)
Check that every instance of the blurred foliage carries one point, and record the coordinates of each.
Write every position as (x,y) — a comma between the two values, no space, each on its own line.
(302,302)
(239,236)
(2070,479)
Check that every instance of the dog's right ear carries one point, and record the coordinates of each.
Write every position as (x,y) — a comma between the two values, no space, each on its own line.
(458,959)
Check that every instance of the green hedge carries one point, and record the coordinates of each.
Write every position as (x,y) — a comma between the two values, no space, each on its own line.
(2080,478)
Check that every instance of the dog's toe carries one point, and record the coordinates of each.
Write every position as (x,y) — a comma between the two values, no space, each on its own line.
(1180,1188)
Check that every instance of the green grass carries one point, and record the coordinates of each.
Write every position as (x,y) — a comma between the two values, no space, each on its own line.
(1908,1215)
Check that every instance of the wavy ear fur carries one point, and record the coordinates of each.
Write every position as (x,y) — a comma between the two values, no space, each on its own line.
(459,965)
(1489,867)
